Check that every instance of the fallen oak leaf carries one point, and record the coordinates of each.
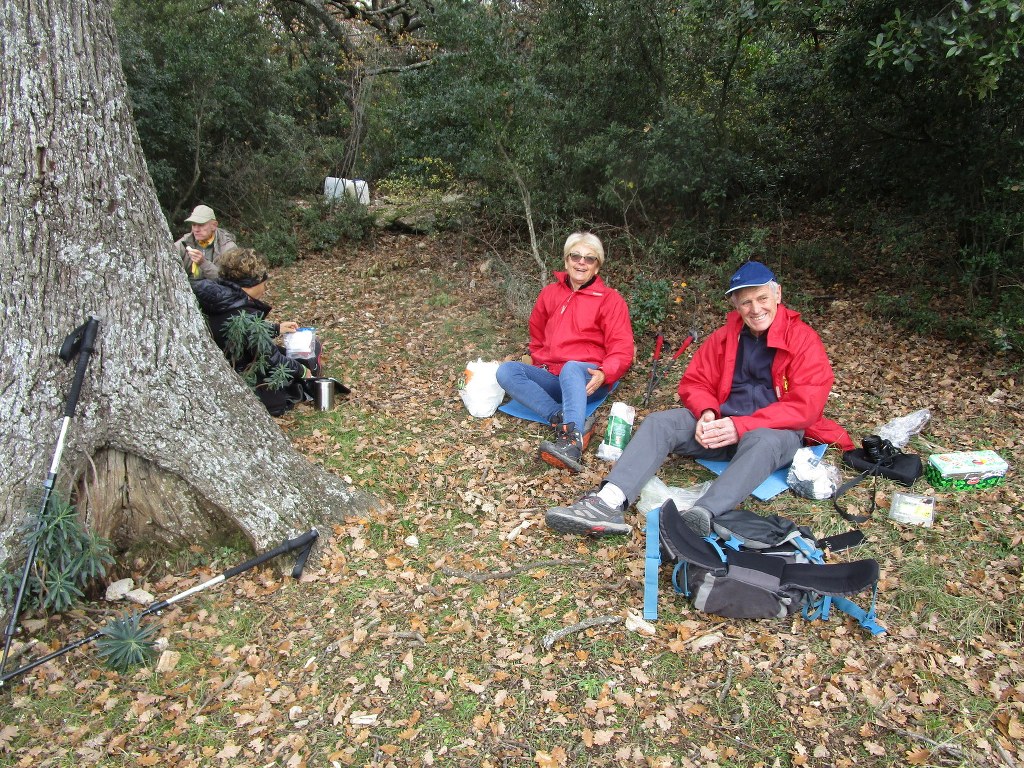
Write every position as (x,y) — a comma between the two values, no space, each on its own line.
(919,756)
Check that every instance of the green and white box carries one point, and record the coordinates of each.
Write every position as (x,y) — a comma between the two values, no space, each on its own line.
(964,470)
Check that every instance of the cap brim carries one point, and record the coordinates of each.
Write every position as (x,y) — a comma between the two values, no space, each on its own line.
(746,285)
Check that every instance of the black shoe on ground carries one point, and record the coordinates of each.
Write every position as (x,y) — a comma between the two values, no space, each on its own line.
(565,451)
(698,520)
(589,516)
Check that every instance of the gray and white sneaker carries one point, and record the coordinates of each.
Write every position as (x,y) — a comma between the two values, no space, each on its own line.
(589,516)
(698,520)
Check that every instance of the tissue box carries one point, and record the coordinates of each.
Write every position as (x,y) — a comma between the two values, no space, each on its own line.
(964,470)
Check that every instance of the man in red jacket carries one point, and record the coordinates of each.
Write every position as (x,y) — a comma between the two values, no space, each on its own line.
(581,342)
(753,394)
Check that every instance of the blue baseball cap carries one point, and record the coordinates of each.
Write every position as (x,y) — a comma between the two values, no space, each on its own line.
(751,274)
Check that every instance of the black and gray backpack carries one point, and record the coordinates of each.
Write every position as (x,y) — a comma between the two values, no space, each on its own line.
(754,567)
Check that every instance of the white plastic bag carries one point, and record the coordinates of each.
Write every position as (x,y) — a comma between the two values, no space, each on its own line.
(617,433)
(480,391)
(900,430)
(812,478)
(655,493)
(301,343)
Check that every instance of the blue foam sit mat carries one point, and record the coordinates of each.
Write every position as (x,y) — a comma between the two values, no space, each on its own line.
(776,482)
(520,411)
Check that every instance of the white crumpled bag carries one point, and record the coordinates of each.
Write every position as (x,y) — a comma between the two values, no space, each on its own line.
(812,478)
(655,493)
(480,391)
(900,430)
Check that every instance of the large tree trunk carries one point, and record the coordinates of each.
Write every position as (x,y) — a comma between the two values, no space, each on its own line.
(168,444)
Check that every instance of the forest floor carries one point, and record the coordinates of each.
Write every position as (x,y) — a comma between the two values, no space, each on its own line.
(420,634)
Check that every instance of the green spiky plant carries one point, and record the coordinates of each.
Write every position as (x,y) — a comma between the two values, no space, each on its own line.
(126,643)
(245,334)
(68,558)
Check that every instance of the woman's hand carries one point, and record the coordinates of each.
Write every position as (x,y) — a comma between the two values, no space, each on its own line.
(596,380)
(289,326)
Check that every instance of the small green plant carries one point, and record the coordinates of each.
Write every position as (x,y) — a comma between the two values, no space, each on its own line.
(247,335)
(277,242)
(417,175)
(67,559)
(328,223)
(648,303)
(126,643)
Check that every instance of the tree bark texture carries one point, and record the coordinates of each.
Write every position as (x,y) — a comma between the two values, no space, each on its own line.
(168,445)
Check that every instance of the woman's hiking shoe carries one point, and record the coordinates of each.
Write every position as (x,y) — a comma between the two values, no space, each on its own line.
(566,450)
(589,516)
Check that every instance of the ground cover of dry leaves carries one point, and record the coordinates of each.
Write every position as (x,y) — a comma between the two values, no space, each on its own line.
(421,634)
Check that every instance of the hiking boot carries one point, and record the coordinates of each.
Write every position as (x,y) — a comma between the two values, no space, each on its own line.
(566,450)
(589,516)
(588,429)
(698,520)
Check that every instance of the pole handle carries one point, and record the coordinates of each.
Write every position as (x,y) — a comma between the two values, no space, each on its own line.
(304,541)
(683,347)
(82,340)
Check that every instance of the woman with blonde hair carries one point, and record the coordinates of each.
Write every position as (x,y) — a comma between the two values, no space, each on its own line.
(581,342)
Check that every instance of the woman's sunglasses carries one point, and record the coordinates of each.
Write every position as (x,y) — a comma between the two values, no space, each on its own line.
(588,260)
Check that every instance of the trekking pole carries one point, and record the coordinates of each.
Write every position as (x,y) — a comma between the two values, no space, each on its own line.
(678,353)
(659,341)
(303,543)
(79,342)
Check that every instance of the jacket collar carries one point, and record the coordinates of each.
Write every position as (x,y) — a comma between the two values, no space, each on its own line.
(594,286)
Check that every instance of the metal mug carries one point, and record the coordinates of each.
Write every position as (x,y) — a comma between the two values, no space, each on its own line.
(324,393)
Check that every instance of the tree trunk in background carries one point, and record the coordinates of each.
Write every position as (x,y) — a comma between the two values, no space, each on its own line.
(167,445)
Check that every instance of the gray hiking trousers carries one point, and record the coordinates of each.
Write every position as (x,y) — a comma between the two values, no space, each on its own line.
(758,453)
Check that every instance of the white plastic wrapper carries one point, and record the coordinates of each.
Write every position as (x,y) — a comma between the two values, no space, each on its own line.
(900,430)
(301,343)
(655,493)
(812,478)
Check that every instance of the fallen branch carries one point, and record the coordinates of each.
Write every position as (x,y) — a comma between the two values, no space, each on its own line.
(724,693)
(553,637)
(413,637)
(1007,757)
(938,746)
(482,576)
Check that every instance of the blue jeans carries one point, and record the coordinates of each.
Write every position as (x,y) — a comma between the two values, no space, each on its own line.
(545,394)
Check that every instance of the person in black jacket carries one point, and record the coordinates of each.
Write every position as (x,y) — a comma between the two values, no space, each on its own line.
(237,295)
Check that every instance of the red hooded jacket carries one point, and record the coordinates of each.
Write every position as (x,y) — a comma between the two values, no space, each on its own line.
(588,325)
(801,374)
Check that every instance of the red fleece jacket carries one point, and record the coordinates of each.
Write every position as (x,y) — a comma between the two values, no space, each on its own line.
(801,374)
(588,325)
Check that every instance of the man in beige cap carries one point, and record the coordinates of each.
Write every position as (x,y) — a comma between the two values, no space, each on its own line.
(200,248)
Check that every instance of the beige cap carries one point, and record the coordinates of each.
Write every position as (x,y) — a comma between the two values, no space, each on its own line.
(201,214)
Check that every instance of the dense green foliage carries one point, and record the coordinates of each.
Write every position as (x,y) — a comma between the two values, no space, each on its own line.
(67,560)
(673,122)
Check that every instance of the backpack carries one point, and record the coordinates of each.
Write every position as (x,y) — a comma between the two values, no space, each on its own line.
(754,567)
